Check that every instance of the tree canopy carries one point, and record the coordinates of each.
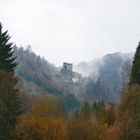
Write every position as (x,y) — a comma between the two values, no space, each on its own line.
(7,60)
(135,72)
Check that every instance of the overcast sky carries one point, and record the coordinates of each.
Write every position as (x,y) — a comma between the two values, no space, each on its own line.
(73,30)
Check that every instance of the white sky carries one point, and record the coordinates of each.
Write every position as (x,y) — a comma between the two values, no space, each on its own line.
(73,30)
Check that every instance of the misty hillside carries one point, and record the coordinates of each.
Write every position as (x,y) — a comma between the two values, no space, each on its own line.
(39,77)
(38,71)
(101,79)
(93,68)
(33,68)
(106,76)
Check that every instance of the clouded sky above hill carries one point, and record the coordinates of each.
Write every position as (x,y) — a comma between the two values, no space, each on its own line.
(73,30)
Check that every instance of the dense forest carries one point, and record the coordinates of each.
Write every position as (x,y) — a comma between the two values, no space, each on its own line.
(39,101)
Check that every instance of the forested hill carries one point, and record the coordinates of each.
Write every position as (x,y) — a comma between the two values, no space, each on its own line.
(107,76)
(104,77)
(39,77)
(34,69)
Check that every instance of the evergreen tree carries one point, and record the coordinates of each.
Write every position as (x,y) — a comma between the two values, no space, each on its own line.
(10,105)
(7,61)
(135,72)
(86,111)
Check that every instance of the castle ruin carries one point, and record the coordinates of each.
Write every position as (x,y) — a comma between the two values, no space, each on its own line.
(67,66)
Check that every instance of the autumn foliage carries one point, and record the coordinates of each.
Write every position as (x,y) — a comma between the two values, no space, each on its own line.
(41,128)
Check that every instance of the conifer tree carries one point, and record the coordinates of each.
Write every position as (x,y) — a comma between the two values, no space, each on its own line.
(135,71)
(7,61)
(10,105)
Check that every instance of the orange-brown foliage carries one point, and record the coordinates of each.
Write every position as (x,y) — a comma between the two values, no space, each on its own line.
(41,128)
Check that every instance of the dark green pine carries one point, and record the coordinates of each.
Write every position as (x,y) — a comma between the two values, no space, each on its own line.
(135,72)
(7,61)
(10,103)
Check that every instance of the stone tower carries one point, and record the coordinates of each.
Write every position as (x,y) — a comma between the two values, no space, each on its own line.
(67,66)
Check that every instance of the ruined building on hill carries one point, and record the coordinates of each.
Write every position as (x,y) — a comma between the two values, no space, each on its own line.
(68,75)
(67,67)
(67,72)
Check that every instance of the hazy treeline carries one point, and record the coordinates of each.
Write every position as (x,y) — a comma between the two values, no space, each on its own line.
(39,77)
(106,77)
(112,75)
